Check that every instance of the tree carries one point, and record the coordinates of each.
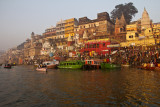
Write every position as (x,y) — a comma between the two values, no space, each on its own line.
(127,9)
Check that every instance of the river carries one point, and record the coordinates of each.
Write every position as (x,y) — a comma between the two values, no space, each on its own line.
(22,86)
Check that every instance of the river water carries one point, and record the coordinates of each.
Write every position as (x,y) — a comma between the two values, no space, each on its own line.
(22,86)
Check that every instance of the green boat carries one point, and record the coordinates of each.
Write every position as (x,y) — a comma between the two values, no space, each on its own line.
(71,64)
(109,66)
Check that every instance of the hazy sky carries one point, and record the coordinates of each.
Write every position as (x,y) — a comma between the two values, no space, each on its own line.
(18,18)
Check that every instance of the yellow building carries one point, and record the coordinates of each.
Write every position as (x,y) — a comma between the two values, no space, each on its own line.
(69,26)
(140,42)
(156,29)
(133,31)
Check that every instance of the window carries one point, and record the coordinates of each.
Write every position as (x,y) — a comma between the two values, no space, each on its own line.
(136,35)
(104,44)
(90,46)
(94,46)
(131,36)
(97,45)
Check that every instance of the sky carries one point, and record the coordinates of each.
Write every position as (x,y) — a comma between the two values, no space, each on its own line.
(19,18)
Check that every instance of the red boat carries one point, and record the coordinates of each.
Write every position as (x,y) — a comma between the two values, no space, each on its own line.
(147,66)
(7,66)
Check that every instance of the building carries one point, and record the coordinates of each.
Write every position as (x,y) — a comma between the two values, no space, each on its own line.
(101,27)
(60,40)
(140,33)
(96,47)
(70,24)
(60,28)
(120,29)
(32,48)
(145,21)
(50,33)
(133,30)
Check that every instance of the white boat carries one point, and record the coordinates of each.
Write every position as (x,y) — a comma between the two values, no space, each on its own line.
(41,69)
(125,65)
(51,64)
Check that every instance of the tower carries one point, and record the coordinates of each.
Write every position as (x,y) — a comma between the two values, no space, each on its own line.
(32,38)
(145,21)
(122,20)
(120,25)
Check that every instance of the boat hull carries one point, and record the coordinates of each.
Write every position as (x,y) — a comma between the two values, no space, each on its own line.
(41,69)
(157,68)
(51,66)
(109,66)
(8,67)
(70,66)
(125,65)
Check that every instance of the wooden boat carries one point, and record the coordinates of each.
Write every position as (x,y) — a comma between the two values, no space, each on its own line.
(109,66)
(7,66)
(157,68)
(77,64)
(147,66)
(51,64)
(92,64)
(41,68)
(13,64)
(36,65)
(125,65)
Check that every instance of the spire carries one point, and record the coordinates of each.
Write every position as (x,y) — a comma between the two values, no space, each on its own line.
(145,13)
(145,9)
(145,20)
(32,34)
(122,20)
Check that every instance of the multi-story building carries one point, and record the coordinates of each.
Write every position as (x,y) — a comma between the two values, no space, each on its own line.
(156,29)
(60,28)
(60,40)
(101,27)
(133,30)
(70,24)
(50,33)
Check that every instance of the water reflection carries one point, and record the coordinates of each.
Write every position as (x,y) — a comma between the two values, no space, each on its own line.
(22,85)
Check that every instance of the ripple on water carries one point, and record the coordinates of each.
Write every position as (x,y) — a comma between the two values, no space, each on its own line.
(23,86)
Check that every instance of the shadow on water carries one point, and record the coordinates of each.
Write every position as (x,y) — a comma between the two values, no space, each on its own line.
(24,86)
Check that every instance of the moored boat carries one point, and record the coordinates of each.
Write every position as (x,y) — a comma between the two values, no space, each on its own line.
(41,68)
(13,64)
(92,64)
(147,66)
(77,64)
(157,68)
(51,64)
(125,65)
(109,66)
(7,66)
